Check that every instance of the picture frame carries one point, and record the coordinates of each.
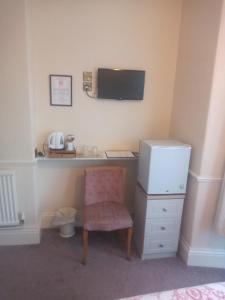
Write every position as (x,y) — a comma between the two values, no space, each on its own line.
(60,90)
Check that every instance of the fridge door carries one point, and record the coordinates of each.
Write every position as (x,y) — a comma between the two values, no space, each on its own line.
(168,170)
(163,166)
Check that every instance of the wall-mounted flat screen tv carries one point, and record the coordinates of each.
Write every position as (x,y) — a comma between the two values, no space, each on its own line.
(120,84)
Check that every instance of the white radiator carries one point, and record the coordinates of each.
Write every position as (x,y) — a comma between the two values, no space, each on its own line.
(8,201)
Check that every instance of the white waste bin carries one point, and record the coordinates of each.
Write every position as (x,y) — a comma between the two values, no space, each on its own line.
(65,219)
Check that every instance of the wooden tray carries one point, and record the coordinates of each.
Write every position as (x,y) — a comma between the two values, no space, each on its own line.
(61,154)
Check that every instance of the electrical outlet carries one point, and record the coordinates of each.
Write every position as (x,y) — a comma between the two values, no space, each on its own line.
(87,81)
(87,86)
(87,76)
(21,216)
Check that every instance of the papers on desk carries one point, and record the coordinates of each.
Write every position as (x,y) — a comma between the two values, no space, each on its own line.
(119,154)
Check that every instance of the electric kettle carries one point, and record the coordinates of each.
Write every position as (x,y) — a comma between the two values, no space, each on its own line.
(56,141)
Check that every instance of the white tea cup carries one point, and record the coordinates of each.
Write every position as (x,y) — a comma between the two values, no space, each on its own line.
(70,147)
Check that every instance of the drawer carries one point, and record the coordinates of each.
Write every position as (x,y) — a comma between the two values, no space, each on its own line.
(160,246)
(164,208)
(162,227)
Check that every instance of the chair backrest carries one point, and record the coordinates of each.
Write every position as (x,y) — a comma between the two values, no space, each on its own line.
(104,184)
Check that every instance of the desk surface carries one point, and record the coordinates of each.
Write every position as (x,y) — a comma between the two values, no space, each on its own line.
(100,156)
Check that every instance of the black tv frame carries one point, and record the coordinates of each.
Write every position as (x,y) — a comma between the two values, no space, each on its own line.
(120,84)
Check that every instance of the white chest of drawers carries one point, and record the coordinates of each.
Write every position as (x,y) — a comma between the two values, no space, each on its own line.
(157,224)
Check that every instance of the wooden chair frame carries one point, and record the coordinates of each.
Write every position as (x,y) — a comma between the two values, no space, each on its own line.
(85,244)
(86,232)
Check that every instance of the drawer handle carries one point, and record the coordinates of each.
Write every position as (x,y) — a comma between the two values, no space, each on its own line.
(164,209)
(163,227)
(161,245)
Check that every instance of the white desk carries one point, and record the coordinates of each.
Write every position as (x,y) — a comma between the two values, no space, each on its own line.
(100,157)
(61,182)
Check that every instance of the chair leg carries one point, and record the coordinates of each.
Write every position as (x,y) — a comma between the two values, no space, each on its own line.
(129,239)
(85,246)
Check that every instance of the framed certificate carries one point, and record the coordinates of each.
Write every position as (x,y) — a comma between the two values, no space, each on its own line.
(60,90)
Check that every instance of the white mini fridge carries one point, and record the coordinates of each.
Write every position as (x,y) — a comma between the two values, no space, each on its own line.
(162,179)
(163,166)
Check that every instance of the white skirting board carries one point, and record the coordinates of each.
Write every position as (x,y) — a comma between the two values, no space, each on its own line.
(201,257)
(20,235)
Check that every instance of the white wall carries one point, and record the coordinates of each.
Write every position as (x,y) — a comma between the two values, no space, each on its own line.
(214,148)
(15,118)
(16,151)
(195,64)
(69,37)
(198,119)
(44,37)
(213,158)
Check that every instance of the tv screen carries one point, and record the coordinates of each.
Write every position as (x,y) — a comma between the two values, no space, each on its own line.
(121,84)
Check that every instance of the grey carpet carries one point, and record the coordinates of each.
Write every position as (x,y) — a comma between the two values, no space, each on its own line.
(52,271)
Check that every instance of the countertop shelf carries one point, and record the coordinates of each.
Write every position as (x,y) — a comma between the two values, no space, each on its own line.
(100,156)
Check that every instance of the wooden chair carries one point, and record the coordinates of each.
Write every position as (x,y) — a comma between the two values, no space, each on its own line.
(104,208)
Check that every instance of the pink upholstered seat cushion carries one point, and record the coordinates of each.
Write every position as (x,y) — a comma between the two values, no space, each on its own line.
(104,184)
(106,216)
